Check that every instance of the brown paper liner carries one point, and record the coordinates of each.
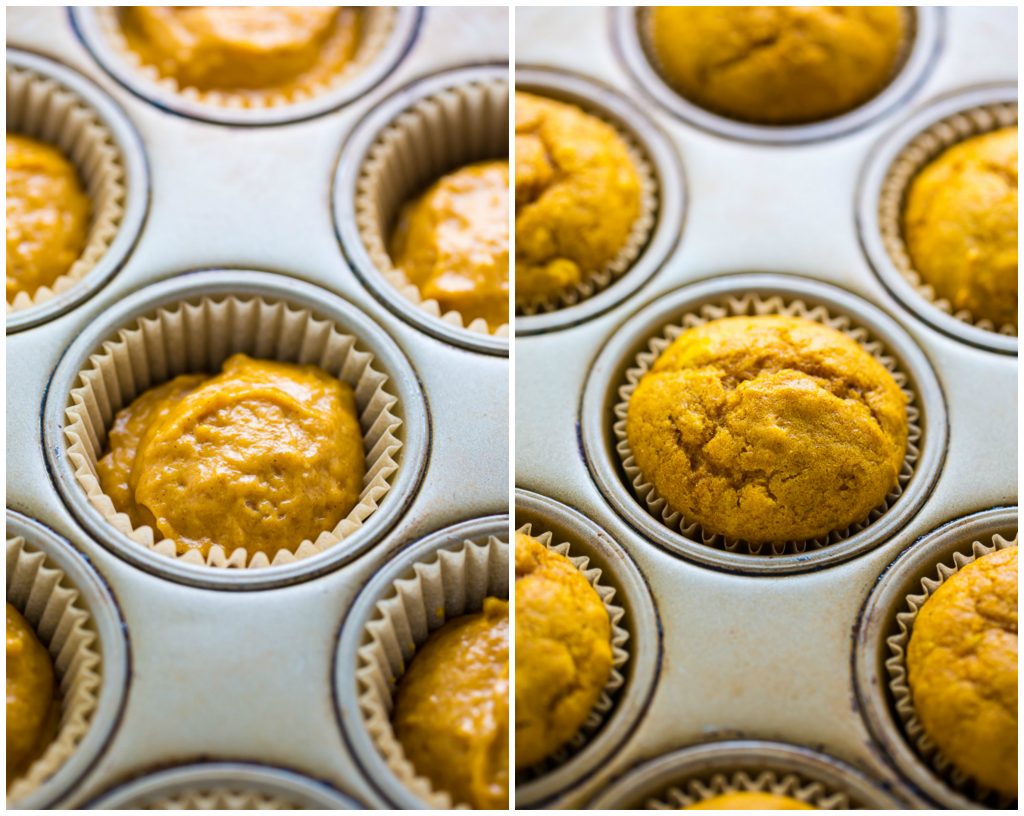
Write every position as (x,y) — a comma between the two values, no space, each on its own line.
(620,655)
(42,109)
(436,135)
(198,336)
(219,798)
(809,791)
(639,234)
(921,151)
(751,304)
(44,594)
(899,687)
(377,25)
(451,584)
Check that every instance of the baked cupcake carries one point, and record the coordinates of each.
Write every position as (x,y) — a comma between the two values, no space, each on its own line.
(962,669)
(32,707)
(578,196)
(452,243)
(777,65)
(48,215)
(260,457)
(768,428)
(451,708)
(563,650)
(960,226)
(749,800)
(288,50)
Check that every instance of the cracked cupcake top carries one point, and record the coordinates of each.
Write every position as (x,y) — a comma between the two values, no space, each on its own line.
(768,428)
(578,194)
(777,65)
(563,650)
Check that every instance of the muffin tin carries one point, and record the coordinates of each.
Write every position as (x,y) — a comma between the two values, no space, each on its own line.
(759,650)
(233,668)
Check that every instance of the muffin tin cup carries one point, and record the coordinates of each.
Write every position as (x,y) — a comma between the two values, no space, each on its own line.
(443,576)
(630,41)
(57,106)
(191,323)
(656,231)
(636,645)
(635,346)
(432,127)
(883,632)
(223,786)
(77,620)
(891,168)
(388,33)
(691,775)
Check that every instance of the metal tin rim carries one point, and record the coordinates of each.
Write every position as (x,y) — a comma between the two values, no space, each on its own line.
(874,625)
(651,777)
(668,171)
(645,646)
(928,40)
(137,189)
(240,282)
(314,794)
(114,647)
(86,26)
(626,339)
(343,196)
(872,178)
(343,680)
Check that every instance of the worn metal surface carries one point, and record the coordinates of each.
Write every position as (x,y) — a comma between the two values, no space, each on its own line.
(763,657)
(229,675)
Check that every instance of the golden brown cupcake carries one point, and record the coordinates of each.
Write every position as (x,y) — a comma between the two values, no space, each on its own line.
(750,800)
(578,195)
(768,428)
(261,457)
(777,65)
(452,243)
(962,669)
(960,226)
(451,708)
(47,215)
(32,708)
(238,49)
(563,650)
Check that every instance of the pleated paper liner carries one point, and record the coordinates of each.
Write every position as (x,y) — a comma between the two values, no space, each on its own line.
(434,136)
(752,304)
(899,687)
(197,336)
(376,26)
(600,279)
(53,606)
(698,789)
(452,583)
(620,655)
(921,151)
(219,798)
(41,108)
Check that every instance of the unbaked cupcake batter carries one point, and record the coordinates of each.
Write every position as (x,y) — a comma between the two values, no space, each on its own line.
(47,215)
(750,800)
(32,708)
(261,457)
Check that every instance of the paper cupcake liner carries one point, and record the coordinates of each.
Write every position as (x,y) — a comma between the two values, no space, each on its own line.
(637,239)
(752,304)
(376,26)
(812,792)
(437,134)
(924,148)
(620,655)
(454,583)
(198,335)
(49,601)
(899,687)
(41,108)
(220,798)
